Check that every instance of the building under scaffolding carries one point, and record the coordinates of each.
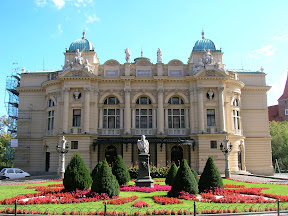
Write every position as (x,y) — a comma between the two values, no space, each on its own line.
(12,100)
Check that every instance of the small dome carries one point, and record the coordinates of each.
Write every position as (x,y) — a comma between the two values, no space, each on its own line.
(140,58)
(206,44)
(81,44)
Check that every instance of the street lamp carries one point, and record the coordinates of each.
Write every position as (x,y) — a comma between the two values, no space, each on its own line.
(63,149)
(226,150)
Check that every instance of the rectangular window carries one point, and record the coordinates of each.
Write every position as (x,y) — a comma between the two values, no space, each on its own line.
(76,117)
(111,118)
(211,117)
(286,111)
(74,144)
(213,144)
(143,118)
(50,123)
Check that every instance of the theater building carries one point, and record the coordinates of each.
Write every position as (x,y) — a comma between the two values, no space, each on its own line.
(185,110)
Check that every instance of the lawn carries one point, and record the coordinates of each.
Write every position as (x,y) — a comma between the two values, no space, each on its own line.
(18,190)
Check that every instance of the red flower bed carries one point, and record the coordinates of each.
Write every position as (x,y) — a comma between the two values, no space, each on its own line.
(145,189)
(55,185)
(186,196)
(122,200)
(166,200)
(140,204)
(45,189)
(234,186)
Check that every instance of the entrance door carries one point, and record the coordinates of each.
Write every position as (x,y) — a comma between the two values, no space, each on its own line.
(176,155)
(47,161)
(111,154)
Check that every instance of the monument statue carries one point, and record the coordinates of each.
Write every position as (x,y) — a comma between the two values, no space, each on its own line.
(144,178)
(128,54)
(159,56)
(78,57)
(143,145)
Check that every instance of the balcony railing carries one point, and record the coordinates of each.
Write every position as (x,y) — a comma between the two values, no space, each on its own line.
(178,131)
(139,131)
(110,131)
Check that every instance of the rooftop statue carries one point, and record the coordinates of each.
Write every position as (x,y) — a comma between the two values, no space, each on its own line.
(143,145)
(78,59)
(128,54)
(159,56)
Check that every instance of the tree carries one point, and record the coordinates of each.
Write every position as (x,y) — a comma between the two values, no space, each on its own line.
(96,170)
(210,177)
(279,143)
(120,171)
(6,152)
(76,175)
(184,181)
(107,182)
(171,175)
(96,174)
(195,175)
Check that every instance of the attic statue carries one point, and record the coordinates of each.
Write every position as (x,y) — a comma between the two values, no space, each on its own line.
(208,57)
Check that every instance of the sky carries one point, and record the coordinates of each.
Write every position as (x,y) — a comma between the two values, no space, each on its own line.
(251,33)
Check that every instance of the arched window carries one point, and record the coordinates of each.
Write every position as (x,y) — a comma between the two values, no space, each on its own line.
(50,117)
(176,155)
(111,154)
(111,113)
(144,113)
(236,115)
(51,103)
(176,113)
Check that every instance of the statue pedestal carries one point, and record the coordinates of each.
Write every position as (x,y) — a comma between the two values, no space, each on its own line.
(144,178)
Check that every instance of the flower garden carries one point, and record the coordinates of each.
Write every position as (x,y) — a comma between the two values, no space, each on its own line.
(57,198)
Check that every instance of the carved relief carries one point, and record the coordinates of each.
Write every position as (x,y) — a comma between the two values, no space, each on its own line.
(122,71)
(165,71)
(111,62)
(133,71)
(143,62)
(175,62)
(210,73)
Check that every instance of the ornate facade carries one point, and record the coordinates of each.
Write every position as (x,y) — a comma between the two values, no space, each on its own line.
(185,111)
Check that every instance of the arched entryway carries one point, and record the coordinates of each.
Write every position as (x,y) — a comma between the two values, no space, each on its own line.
(111,154)
(176,155)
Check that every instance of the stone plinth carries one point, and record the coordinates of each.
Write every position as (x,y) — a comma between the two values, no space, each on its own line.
(144,178)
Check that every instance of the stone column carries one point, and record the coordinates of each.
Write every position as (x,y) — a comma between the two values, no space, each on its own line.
(100,117)
(57,115)
(87,110)
(133,118)
(127,69)
(192,111)
(221,109)
(159,69)
(127,111)
(166,119)
(121,117)
(186,118)
(96,112)
(65,112)
(200,109)
(160,114)
(154,118)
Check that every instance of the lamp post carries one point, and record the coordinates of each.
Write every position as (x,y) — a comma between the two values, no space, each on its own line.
(226,150)
(63,149)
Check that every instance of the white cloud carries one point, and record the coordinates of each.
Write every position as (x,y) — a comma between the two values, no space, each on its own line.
(277,38)
(93,18)
(60,31)
(76,4)
(59,3)
(267,50)
(40,3)
(251,56)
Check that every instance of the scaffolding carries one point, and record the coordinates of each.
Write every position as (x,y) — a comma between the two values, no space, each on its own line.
(12,99)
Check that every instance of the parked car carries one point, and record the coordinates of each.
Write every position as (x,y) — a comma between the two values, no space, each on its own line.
(13,173)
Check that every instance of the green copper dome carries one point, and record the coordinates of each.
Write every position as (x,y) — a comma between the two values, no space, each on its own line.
(206,44)
(81,44)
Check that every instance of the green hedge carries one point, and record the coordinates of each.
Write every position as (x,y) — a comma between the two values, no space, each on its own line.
(156,172)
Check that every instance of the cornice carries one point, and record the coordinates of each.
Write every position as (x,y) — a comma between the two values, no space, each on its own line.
(29,88)
(256,88)
(50,83)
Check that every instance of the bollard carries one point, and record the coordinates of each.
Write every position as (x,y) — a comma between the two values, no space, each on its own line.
(105,208)
(278,207)
(194,208)
(15,208)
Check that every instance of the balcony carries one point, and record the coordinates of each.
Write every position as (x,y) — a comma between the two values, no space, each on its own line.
(145,131)
(76,130)
(178,131)
(110,131)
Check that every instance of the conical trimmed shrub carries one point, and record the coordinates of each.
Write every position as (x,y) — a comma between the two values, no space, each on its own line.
(76,174)
(184,181)
(210,177)
(107,182)
(96,169)
(120,171)
(171,175)
(195,175)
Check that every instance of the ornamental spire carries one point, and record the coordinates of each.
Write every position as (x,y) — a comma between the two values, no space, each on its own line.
(83,35)
(203,34)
